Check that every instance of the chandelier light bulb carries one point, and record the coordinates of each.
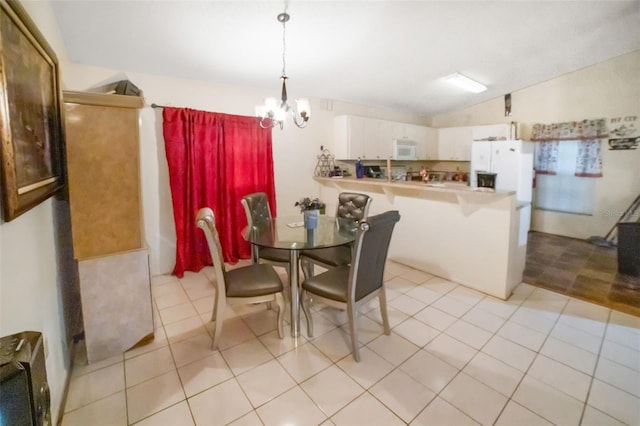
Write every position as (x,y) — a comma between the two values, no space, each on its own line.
(274,111)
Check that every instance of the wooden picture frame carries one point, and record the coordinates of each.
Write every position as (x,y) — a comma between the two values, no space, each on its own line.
(31,123)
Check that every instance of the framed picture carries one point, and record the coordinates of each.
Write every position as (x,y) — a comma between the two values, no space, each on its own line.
(30,114)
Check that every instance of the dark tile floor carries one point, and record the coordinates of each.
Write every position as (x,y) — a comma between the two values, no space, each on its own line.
(580,269)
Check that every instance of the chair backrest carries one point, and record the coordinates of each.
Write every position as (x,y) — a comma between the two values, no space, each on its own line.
(352,205)
(206,221)
(256,207)
(369,253)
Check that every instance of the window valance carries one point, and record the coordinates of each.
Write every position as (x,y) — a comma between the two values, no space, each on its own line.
(570,131)
(587,134)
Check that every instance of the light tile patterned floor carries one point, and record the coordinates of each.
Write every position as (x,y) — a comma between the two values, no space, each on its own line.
(455,357)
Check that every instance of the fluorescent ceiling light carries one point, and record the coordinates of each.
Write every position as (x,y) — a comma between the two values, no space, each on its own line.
(466,83)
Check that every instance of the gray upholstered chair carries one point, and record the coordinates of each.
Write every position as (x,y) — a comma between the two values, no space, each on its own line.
(349,287)
(256,207)
(255,283)
(351,205)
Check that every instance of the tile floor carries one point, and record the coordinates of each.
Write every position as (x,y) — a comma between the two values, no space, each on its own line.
(580,269)
(454,357)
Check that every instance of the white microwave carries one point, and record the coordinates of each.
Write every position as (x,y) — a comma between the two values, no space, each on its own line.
(404,149)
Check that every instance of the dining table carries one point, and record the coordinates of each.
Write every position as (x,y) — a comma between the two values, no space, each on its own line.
(289,233)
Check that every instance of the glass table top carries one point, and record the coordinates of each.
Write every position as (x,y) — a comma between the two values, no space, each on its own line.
(288,232)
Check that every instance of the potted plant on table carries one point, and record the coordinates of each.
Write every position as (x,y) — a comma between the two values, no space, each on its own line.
(310,208)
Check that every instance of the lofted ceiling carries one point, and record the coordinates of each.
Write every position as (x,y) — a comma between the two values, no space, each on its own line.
(391,54)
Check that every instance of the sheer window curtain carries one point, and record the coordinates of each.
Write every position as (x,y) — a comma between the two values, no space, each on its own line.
(214,160)
(565,155)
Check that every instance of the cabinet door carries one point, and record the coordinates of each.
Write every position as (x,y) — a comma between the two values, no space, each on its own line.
(349,135)
(454,143)
(371,139)
(430,150)
(463,149)
(356,136)
(104,179)
(385,141)
(493,131)
(399,130)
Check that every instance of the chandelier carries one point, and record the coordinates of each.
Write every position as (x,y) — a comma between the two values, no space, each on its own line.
(274,111)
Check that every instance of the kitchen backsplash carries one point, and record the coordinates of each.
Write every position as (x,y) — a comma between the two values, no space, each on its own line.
(411,167)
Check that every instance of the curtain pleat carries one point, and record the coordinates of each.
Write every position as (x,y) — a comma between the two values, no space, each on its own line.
(214,160)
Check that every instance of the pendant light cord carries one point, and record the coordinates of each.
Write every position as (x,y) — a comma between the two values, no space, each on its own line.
(284,17)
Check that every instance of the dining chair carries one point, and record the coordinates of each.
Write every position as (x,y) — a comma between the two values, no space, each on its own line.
(258,212)
(351,205)
(351,286)
(255,283)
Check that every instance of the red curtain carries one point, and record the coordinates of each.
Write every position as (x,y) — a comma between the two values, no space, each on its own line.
(214,160)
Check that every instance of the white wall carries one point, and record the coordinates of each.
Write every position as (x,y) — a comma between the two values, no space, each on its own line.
(30,275)
(294,150)
(606,90)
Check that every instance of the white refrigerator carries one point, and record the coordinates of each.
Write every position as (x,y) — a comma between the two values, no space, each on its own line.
(511,160)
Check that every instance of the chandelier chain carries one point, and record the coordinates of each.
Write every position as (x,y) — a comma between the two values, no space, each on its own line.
(284,42)
(272,114)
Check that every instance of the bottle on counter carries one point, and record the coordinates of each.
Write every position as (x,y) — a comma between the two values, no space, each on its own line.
(359,169)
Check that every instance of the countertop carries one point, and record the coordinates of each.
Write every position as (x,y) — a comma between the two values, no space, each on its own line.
(450,187)
(468,198)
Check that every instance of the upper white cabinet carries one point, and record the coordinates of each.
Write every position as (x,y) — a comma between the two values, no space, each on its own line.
(454,143)
(349,136)
(372,139)
(385,139)
(360,137)
(426,139)
(492,131)
(429,150)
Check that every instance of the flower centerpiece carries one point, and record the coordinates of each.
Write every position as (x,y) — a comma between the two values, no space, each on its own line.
(310,207)
(307,203)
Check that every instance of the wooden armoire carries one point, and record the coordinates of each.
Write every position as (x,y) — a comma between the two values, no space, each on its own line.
(103,164)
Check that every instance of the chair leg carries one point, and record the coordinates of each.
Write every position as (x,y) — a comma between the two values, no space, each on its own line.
(304,304)
(218,317)
(307,268)
(382,298)
(353,329)
(255,254)
(280,302)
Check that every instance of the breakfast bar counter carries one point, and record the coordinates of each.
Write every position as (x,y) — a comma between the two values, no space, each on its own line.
(472,237)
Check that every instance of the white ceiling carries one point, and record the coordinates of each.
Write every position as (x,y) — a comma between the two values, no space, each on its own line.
(381,53)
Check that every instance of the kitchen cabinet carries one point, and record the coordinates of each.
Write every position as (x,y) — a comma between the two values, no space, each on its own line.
(376,146)
(103,164)
(491,131)
(372,139)
(454,143)
(428,150)
(361,137)
(349,137)
(358,137)
(385,140)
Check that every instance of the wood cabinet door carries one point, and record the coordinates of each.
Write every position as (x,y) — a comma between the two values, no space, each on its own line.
(104,179)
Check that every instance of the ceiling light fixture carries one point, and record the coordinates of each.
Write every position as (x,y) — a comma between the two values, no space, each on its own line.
(466,83)
(274,111)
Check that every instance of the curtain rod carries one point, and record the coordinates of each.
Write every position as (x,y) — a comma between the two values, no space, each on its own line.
(157,106)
